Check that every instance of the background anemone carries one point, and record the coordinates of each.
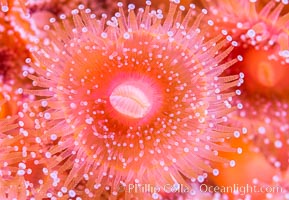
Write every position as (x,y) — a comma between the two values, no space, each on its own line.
(13,51)
(260,32)
(11,186)
(262,40)
(30,17)
(23,168)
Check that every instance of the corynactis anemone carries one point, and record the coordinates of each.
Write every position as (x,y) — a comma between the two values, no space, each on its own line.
(29,17)
(11,186)
(135,99)
(271,125)
(23,167)
(65,6)
(262,37)
(165,4)
(259,180)
(12,53)
(12,61)
(42,11)
(256,173)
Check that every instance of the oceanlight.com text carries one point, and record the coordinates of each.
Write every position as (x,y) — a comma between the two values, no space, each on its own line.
(240,189)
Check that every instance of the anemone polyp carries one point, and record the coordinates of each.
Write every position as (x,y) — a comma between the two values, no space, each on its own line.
(134,99)
(12,187)
(268,132)
(12,53)
(23,172)
(264,75)
(261,35)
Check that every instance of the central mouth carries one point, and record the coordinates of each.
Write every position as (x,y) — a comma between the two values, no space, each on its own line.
(131,100)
